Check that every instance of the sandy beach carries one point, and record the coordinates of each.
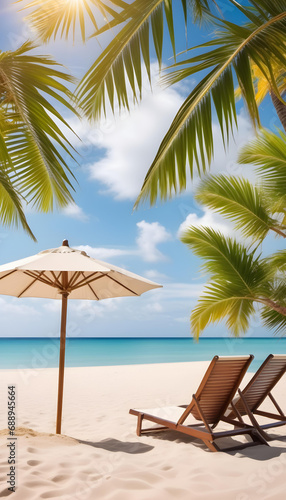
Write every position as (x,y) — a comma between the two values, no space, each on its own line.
(99,454)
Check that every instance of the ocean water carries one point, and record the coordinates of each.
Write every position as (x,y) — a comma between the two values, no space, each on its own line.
(44,352)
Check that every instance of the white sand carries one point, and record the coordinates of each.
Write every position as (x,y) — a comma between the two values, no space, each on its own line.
(99,455)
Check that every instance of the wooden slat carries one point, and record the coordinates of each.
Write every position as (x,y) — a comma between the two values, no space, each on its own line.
(218,389)
(262,382)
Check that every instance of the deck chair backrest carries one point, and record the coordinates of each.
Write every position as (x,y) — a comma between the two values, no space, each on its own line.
(219,386)
(266,377)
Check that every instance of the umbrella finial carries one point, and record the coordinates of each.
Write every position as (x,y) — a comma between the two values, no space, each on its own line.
(65,243)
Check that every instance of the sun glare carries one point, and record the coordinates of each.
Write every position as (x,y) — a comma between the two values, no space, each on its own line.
(74,2)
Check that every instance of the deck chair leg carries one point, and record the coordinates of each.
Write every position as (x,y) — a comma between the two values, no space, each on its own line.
(139,424)
(258,437)
(260,431)
(253,420)
(210,445)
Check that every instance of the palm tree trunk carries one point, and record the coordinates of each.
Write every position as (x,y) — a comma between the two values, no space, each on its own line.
(273,305)
(280,108)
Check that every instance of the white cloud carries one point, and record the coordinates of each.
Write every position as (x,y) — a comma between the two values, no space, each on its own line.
(131,143)
(154,275)
(53,306)
(75,212)
(173,300)
(209,219)
(154,307)
(177,291)
(102,253)
(93,309)
(150,235)
(119,317)
(16,307)
(131,140)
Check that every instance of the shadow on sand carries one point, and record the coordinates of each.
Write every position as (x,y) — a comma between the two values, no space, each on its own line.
(257,451)
(116,446)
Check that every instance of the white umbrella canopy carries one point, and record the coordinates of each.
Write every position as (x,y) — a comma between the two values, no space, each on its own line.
(62,273)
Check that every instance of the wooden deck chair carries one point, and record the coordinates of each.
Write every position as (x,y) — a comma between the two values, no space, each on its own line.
(257,390)
(208,406)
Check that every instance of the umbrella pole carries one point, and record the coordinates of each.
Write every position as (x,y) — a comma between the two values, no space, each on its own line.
(62,362)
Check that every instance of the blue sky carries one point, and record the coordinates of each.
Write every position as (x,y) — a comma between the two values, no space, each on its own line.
(114,156)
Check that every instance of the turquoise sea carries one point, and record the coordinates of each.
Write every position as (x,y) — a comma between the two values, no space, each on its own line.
(44,352)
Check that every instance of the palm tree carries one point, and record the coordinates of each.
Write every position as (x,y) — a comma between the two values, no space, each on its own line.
(229,56)
(239,277)
(32,165)
(251,54)
(263,88)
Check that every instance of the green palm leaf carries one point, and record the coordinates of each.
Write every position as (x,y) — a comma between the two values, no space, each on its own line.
(220,302)
(267,152)
(123,55)
(239,200)
(50,17)
(237,279)
(274,313)
(189,138)
(120,62)
(273,319)
(225,257)
(277,262)
(32,143)
(11,211)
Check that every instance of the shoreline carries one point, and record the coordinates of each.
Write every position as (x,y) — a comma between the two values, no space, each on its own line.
(141,365)
(34,353)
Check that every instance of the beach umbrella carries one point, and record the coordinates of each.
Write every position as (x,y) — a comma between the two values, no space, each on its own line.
(66,273)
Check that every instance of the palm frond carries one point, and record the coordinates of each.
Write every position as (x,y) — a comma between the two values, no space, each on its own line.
(50,17)
(267,152)
(262,84)
(120,63)
(219,302)
(274,320)
(42,185)
(190,136)
(226,259)
(11,210)
(239,200)
(238,279)
(277,262)
(33,140)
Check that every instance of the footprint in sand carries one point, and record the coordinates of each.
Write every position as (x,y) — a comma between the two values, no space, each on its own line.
(33,462)
(32,450)
(52,494)
(95,477)
(176,492)
(60,477)
(33,484)
(64,464)
(147,477)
